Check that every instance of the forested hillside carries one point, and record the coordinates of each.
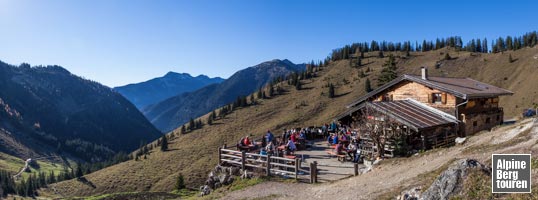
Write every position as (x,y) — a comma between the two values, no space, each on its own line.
(48,109)
(173,112)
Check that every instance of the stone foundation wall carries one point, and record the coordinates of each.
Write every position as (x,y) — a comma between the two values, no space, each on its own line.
(482,121)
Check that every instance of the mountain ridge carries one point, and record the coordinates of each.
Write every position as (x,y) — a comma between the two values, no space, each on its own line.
(49,106)
(152,91)
(174,111)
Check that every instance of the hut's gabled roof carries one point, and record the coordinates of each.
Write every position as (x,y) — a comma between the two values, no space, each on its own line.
(464,88)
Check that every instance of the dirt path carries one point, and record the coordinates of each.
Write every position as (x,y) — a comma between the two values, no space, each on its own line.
(391,173)
(26,165)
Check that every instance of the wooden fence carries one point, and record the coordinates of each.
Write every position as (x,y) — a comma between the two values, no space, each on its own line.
(271,164)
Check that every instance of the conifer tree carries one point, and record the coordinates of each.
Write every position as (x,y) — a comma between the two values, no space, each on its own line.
(388,73)
(180,183)
(183,129)
(78,173)
(260,96)
(191,124)
(298,85)
(164,143)
(271,91)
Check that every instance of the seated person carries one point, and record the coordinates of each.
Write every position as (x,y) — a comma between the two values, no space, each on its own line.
(335,139)
(245,144)
(340,149)
(264,141)
(293,137)
(291,146)
(352,149)
(270,148)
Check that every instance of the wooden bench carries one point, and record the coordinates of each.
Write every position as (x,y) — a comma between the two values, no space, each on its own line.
(290,156)
(340,157)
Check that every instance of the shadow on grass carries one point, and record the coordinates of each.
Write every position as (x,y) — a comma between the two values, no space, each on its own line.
(340,95)
(86,182)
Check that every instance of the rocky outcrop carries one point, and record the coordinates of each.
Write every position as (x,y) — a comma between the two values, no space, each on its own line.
(449,183)
(218,177)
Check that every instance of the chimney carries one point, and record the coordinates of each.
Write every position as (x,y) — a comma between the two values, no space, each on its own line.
(424,73)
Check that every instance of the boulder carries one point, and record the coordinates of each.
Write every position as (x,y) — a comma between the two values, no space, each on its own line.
(450,182)
(205,190)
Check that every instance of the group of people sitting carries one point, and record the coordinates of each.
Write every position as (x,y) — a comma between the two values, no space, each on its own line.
(345,141)
(290,141)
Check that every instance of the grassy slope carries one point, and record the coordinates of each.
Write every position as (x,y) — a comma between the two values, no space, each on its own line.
(194,154)
(14,165)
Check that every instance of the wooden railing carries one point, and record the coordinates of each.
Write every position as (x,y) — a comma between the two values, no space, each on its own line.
(271,164)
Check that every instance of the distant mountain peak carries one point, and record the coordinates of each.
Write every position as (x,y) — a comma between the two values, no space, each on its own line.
(172,74)
(160,88)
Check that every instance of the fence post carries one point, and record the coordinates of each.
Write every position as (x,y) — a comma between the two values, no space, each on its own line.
(311,172)
(243,158)
(315,171)
(220,157)
(356,169)
(268,170)
(296,168)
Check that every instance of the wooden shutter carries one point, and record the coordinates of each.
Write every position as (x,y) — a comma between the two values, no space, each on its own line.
(443,98)
(430,98)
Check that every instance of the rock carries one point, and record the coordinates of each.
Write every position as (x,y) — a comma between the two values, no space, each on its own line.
(245,175)
(412,194)
(205,190)
(450,182)
(460,140)
(224,179)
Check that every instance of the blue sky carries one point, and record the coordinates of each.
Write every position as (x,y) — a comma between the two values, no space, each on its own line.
(117,42)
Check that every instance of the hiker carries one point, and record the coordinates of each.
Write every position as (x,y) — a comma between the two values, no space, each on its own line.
(333,127)
(352,149)
(335,138)
(245,144)
(290,147)
(270,148)
(264,141)
(285,135)
(358,151)
(293,137)
(269,136)
(340,149)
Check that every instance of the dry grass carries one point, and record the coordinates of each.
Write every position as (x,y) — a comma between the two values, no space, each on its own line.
(194,154)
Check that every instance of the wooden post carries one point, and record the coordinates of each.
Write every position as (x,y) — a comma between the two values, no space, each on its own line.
(243,159)
(296,168)
(311,172)
(220,157)
(315,171)
(268,169)
(356,169)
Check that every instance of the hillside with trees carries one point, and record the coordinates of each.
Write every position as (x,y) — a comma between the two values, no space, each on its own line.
(175,111)
(47,110)
(335,82)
